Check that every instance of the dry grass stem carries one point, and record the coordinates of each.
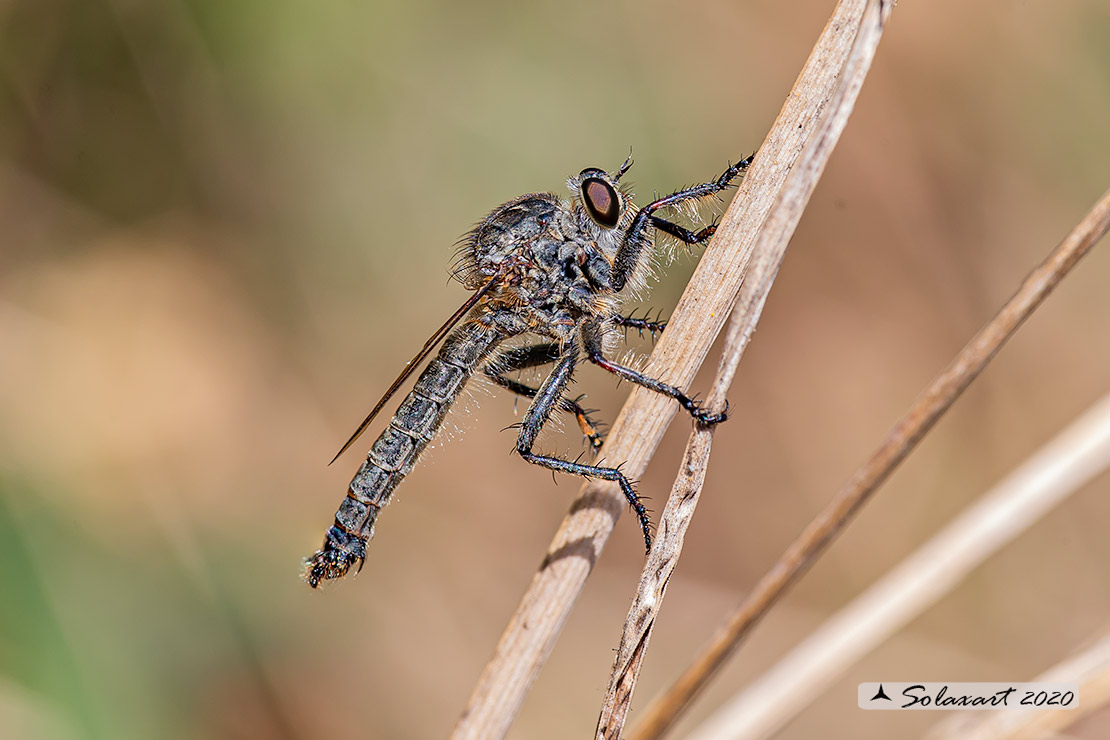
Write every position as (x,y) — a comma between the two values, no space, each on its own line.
(861,37)
(1090,668)
(664,553)
(937,398)
(695,323)
(1061,467)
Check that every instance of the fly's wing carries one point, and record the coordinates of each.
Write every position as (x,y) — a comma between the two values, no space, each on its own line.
(414,363)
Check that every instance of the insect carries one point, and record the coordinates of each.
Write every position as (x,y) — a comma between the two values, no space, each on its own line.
(539,265)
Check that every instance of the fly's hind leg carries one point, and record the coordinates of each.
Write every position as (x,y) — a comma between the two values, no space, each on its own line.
(546,399)
(593,336)
(522,358)
(594,471)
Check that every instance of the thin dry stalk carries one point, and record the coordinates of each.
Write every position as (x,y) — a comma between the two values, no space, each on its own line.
(1090,668)
(1045,480)
(665,552)
(937,398)
(769,251)
(698,318)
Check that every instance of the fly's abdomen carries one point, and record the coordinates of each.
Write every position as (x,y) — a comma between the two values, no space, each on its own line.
(396,450)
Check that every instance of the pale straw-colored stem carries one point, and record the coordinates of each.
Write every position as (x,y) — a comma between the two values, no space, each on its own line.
(1045,480)
(767,256)
(1090,669)
(936,399)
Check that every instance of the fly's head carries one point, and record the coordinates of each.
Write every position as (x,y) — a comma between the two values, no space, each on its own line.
(602,209)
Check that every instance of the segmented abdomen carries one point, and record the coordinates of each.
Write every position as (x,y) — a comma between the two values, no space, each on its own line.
(396,450)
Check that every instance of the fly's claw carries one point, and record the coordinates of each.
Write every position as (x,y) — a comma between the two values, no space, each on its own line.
(733,170)
(591,429)
(704,417)
(595,441)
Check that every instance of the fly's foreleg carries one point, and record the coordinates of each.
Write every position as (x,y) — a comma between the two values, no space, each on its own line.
(594,352)
(682,233)
(629,252)
(697,191)
(547,400)
(521,358)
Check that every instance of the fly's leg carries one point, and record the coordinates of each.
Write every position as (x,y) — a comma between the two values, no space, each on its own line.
(629,252)
(522,358)
(702,416)
(546,400)
(654,328)
(589,427)
(682,233)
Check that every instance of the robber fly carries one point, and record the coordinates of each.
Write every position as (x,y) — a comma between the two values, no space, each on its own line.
(542,265)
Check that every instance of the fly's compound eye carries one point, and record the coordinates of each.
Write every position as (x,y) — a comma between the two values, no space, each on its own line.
(602,201)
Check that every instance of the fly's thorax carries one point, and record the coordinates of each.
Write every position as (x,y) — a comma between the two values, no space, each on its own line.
(498,243)
(552,259)
(549,248)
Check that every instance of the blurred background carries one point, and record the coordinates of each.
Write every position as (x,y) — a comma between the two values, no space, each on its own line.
(225,226)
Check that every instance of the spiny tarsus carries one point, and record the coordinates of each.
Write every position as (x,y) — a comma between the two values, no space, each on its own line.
(541,265)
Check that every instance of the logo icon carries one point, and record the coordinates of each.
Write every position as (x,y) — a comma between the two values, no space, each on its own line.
(880,694)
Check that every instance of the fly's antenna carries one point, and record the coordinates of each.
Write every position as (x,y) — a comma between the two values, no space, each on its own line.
(624,167)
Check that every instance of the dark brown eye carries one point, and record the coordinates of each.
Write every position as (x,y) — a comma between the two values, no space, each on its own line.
(601,202)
